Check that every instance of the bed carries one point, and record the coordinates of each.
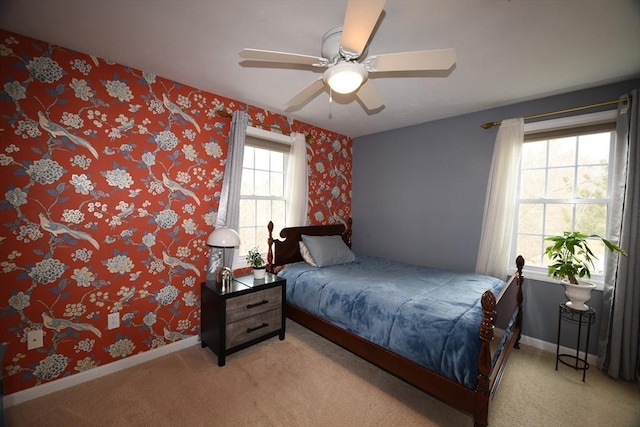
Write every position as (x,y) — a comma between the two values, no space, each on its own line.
(405,319)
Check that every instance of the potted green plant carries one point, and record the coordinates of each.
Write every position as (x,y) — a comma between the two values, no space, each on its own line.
(255,260)
(571,260)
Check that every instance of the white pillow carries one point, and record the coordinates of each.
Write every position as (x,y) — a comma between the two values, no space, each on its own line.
(304,251)
(328,250)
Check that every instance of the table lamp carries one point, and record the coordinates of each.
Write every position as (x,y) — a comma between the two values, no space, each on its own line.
(223,238)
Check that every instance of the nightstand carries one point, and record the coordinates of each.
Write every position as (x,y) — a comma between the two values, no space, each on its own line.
(246,313)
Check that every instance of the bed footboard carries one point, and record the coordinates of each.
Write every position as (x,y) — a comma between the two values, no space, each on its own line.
(498,310)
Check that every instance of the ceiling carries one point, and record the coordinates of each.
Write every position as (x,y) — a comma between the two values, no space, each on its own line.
(507,50)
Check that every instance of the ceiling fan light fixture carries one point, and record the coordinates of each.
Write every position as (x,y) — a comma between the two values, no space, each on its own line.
(345,77)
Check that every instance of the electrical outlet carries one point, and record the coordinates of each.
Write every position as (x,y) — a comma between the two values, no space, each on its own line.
(113,321)
(34,339)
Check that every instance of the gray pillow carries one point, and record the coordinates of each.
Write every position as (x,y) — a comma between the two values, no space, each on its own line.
(328,250)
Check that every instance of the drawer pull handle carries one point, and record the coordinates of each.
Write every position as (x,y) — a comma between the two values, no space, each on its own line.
(264,301)
(264,325)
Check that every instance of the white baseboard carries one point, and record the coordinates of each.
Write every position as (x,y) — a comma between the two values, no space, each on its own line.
(97,372)
(550,347)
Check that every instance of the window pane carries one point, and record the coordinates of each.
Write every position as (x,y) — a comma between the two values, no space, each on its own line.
(562,151)
(247,239)
(592,182)
(558,218)
(263,213)
(278,211)
(262,183)
(532,184)
(594,148)
(262,159)
(277,184)
(560,183)
(277,161)
(247,212)
(530,247)
(247,160)
(592,219)
(530,218)
(534,154)
(246,186)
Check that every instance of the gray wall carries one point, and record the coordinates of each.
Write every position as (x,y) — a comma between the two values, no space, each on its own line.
(418,196)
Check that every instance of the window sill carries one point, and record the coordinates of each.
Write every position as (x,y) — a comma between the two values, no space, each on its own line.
(542,277)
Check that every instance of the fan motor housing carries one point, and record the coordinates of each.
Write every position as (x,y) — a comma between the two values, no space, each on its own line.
(331,45)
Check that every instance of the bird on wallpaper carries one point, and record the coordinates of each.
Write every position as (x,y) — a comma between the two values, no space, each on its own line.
(57,131)
(174,186)
(173,336)
(175,262)
(175,110)
(57,229)
(59,325)
(128,295)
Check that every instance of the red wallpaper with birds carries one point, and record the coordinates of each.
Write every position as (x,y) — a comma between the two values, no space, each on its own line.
(110,185)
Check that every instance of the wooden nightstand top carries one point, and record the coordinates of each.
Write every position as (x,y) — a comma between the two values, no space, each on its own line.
(245,284)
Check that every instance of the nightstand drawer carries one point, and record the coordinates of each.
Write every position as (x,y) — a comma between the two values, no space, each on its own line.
(253,304)
(253,327)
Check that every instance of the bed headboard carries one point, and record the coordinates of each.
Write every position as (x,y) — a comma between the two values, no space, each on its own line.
(287,250)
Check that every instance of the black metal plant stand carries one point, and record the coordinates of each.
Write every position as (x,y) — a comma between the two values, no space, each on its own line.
(578,317)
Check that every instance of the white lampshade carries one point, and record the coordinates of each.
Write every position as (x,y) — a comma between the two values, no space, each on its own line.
(345,77)
(223,237)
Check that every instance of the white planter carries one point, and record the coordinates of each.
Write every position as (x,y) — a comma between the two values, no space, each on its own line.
(578,294)
(258,273)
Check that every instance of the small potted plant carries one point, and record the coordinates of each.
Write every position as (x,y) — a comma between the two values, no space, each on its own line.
(572,259)
(255,260)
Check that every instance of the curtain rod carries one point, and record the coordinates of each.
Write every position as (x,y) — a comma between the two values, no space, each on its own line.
(489,125)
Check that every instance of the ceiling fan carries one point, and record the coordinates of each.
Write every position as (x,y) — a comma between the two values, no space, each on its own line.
(345,58)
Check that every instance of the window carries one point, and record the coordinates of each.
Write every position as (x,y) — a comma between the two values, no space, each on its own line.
(262,193)
(563,186)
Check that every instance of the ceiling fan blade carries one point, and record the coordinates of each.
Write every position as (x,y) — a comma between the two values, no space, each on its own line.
(369,96)
(307,94)
(359,21)
(293,58)
(424,60)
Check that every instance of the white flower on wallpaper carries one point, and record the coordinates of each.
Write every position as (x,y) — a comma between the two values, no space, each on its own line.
(119,178)
(119,264)
(83,277)
(81,89)
(45,171)
(51,367)
(47,271)
(45,69)
(121,348)
(119,90)
(15,90)
(20,301)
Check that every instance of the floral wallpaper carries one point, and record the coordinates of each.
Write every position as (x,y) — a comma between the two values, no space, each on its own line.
(111,180)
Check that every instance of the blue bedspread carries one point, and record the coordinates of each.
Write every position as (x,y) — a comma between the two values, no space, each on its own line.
(430,316)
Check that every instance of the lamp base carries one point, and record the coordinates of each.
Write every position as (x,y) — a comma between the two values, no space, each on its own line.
(224,277)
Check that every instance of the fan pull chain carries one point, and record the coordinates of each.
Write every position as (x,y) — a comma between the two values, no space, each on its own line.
(330,100)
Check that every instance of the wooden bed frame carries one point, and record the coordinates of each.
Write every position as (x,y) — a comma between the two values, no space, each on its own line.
(497,312)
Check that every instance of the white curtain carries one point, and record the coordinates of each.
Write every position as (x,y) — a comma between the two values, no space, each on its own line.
(297,192)
(229,207)
(499,208)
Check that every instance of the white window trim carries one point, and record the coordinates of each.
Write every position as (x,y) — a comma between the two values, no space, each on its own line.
(555,124)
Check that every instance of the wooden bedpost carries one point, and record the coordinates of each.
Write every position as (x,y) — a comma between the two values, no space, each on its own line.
(348,231)
(270,250)
(483,388)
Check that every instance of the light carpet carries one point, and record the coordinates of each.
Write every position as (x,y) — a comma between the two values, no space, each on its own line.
(306,380)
